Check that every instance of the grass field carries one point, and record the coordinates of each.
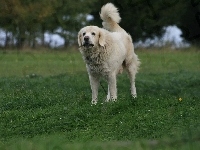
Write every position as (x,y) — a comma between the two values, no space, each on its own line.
(45,103)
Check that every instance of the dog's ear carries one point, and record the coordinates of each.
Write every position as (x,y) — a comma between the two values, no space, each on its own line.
(102,40)
(79,39)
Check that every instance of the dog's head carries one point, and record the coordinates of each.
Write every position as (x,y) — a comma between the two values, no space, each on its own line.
(91,36)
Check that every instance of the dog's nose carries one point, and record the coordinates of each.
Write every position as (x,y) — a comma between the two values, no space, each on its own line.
(86,38)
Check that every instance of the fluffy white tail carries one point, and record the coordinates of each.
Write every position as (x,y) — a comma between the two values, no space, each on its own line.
(110,13)
(110,16)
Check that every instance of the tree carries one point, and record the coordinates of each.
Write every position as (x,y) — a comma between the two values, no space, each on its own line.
(142,18)
(189,21)
(22,18)
(29,19)
(69,18)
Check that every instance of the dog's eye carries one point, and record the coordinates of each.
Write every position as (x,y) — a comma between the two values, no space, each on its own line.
(93,33)
(83,33)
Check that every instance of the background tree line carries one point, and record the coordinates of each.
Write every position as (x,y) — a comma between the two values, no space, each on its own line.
(26,21)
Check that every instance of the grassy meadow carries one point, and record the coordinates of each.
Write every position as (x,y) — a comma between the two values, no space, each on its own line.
(45,103)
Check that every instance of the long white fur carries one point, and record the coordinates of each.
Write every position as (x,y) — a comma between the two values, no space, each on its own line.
(112,51)
(110,13)
(110,16)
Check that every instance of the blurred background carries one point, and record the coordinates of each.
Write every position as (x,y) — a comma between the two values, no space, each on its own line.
(55,23)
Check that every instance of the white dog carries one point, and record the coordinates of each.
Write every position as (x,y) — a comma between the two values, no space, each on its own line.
(107,51)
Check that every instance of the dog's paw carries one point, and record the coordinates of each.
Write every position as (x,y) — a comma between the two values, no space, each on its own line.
(134,96)
(107,100)
(114,100)
(94,102)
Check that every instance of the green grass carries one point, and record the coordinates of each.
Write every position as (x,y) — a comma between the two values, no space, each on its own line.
(47,106)
(45,63)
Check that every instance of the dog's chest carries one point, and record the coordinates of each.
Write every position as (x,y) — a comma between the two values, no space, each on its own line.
(96,64)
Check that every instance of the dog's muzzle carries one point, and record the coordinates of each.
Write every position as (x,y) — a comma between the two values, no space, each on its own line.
(87,42)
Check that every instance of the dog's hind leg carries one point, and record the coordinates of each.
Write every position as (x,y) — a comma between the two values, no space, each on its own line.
(132,70)
(112,87)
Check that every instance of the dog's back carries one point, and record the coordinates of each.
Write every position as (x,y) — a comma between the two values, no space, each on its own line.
(110,16)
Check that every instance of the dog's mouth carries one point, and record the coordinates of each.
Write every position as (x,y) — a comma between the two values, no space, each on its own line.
(88,44)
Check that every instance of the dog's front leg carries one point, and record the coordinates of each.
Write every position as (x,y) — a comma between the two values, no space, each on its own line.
(94,83)
(112,87)
(108,96)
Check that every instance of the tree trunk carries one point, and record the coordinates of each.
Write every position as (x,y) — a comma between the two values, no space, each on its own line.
(7,40)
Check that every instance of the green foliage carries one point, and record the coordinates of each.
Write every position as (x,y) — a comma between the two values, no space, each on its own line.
(49,110)
(30,19)
(190,21)
(145,18)
(22,17)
